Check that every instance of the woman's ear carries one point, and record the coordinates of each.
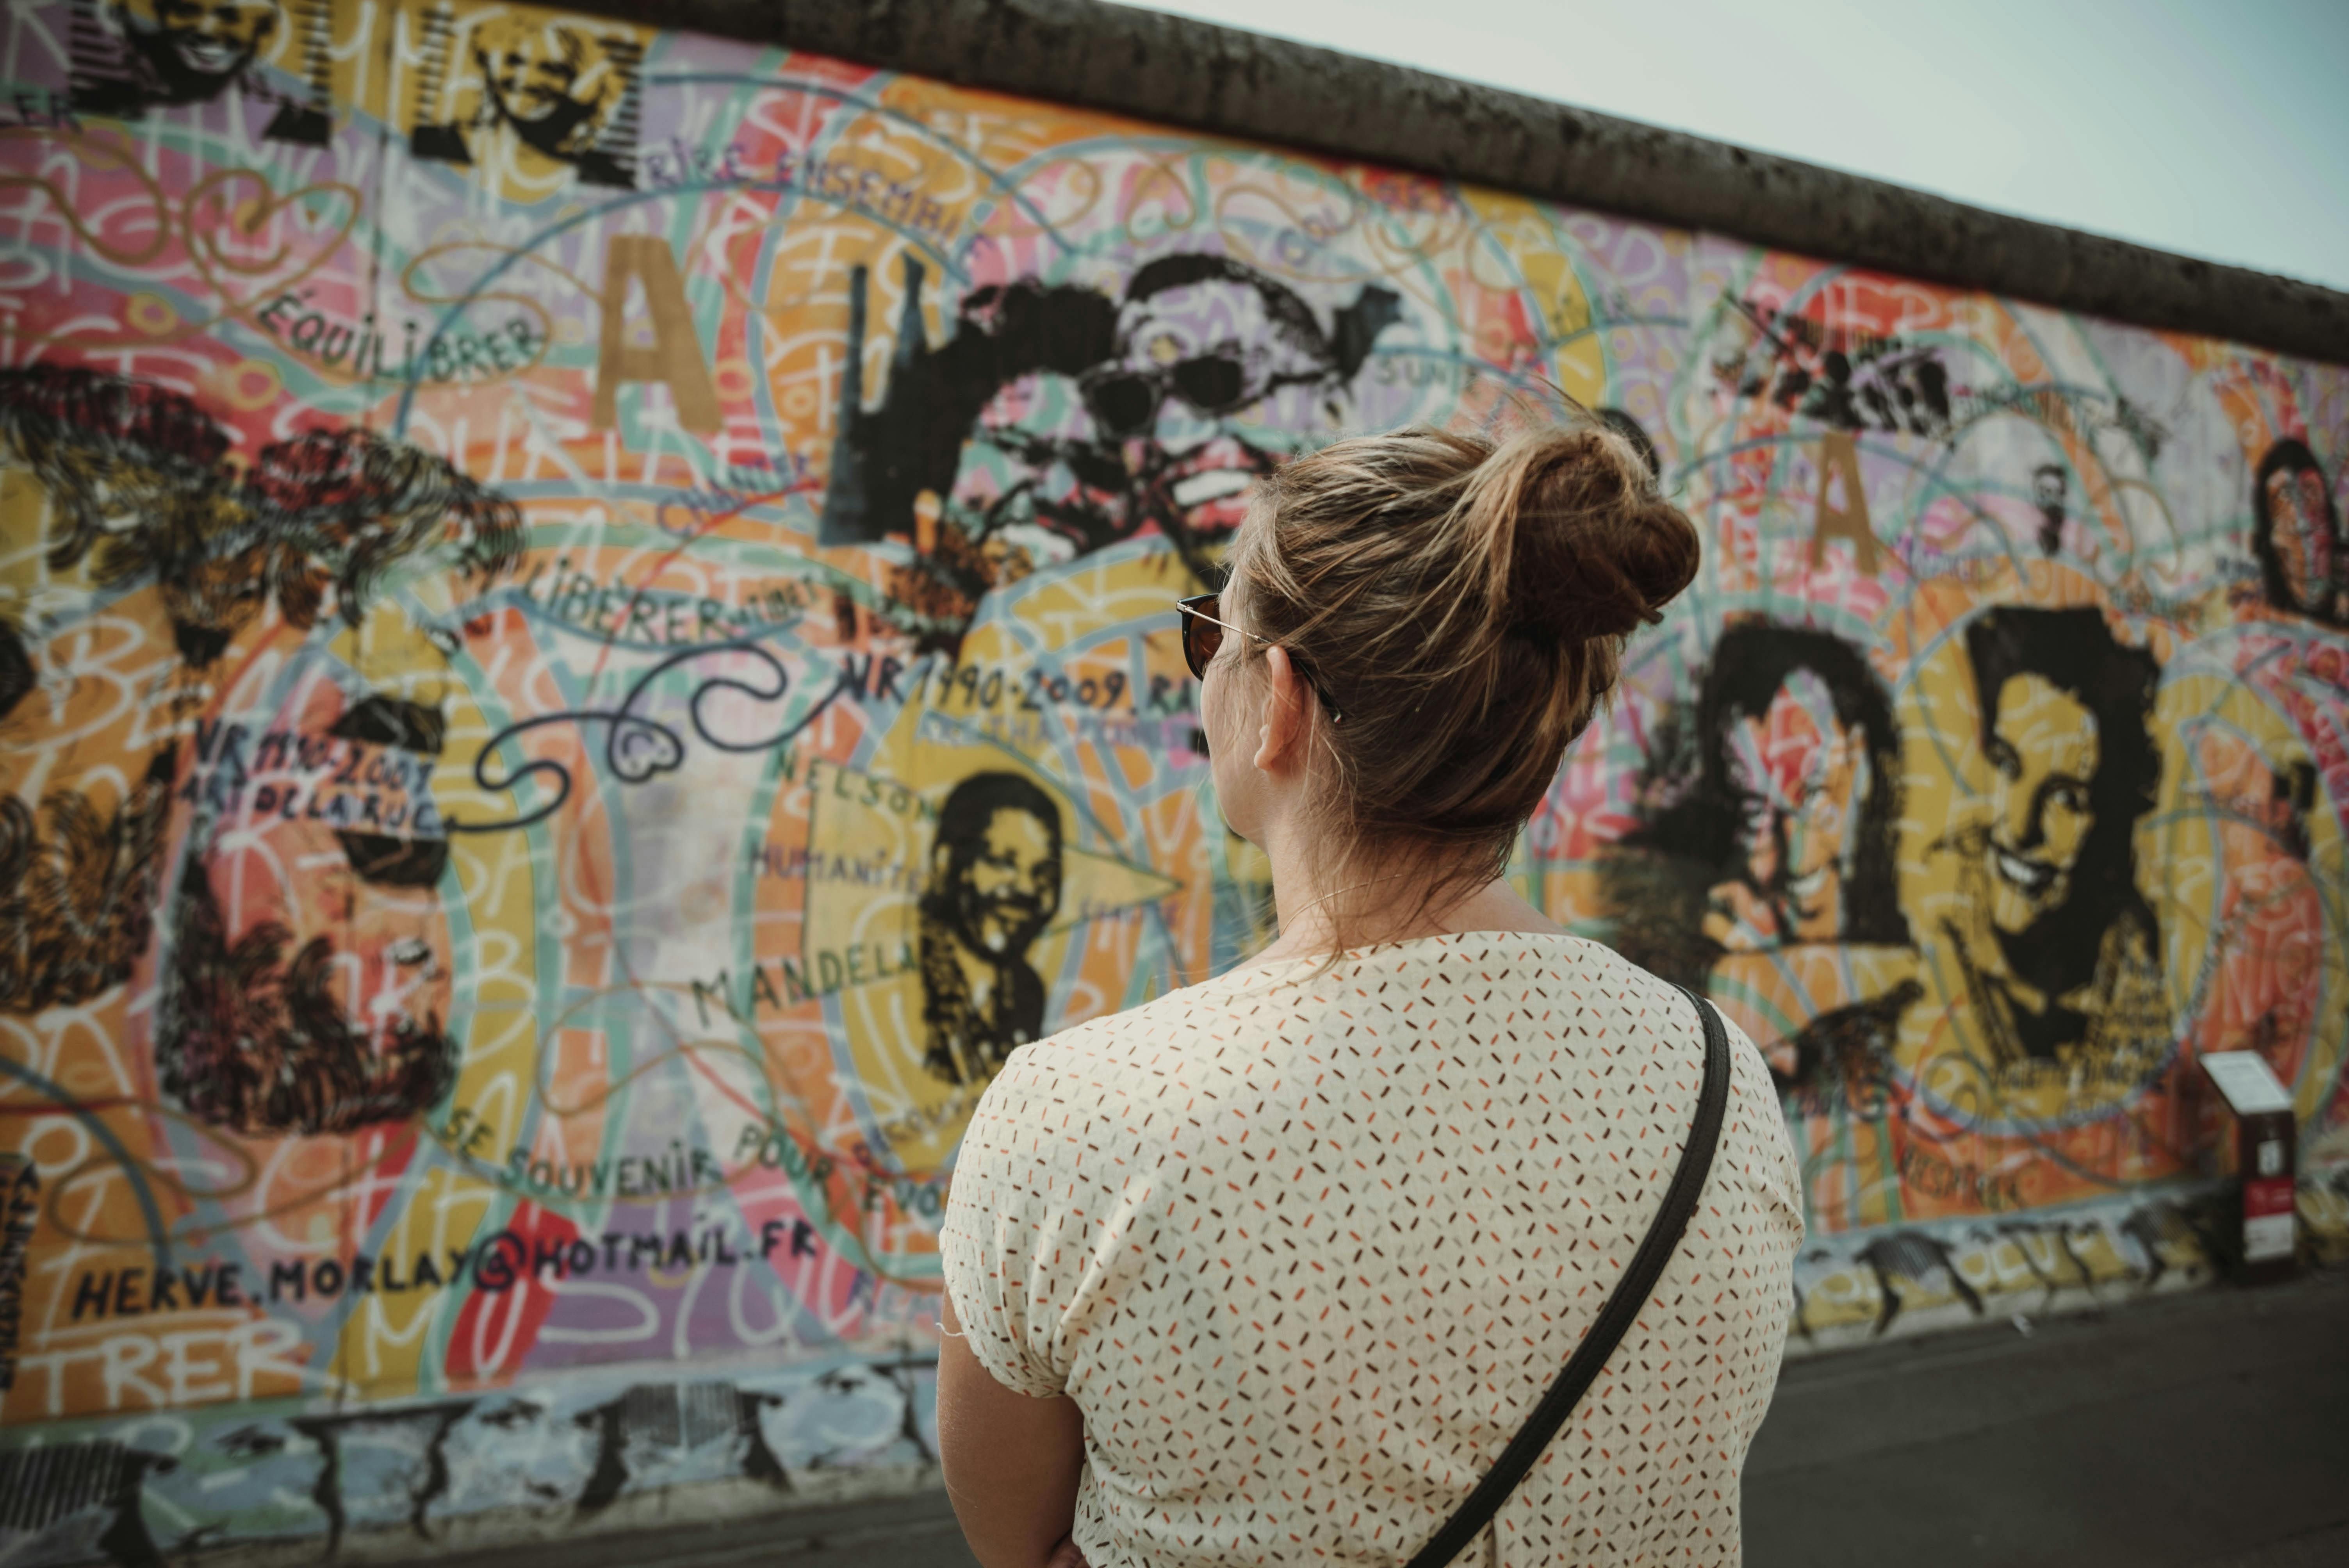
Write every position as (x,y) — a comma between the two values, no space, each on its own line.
(1280,738)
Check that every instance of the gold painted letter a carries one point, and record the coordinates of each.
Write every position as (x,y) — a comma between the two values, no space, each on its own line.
(673,358)
(1839,455)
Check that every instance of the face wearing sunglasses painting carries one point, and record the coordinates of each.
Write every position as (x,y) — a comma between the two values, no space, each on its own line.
(1215,374)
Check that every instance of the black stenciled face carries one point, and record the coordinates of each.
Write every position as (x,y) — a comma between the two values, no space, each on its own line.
(995,865)
(198,46)
(2050,493)
(2071,768)
(1800,780)
(1153,435)
(2297,533)
(1215,374)
(994,886)
(2043,749)
(548,81)
(1005,882)
(1771,810)
(1058,420)
(2047,488)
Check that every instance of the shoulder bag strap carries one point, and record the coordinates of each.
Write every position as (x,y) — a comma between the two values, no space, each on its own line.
(1622,1307)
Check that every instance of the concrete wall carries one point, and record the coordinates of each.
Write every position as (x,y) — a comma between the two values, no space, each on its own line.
(532,549)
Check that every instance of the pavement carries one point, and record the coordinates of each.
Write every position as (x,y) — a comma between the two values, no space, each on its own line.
(2201,1431)
(2208,1429)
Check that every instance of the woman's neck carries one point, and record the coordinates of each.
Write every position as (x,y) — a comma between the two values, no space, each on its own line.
(1371,903)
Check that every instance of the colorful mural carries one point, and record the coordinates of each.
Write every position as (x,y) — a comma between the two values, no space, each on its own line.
(587,646)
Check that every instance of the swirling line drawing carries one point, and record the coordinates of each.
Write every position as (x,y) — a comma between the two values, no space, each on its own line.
(249,217)
(420,294)
(70,215)
(638,747)
(203,255)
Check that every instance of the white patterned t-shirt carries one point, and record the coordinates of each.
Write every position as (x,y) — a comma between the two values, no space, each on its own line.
(1305,1245)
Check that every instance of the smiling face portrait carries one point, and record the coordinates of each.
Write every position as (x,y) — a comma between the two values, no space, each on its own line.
(196,47)
(1791,819)
(547,79)
(1800,774)
(994,885)
(1058,419)
(1764,872)
(527,98)
(1005,884)
(2052,926)
(1211,366)
(1764,869)
(2044,754)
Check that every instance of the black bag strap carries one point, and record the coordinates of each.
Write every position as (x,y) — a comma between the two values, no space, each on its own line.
(1607,1330)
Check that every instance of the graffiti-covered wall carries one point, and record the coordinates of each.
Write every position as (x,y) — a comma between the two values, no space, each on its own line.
(586,646)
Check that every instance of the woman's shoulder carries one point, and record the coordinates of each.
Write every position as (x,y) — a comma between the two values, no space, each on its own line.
(1236,1007)
(1196,1033)
(1472,966)
(1095,1103)
(1177,1060)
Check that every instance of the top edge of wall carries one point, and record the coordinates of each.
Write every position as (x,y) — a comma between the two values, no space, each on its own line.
(1219,79)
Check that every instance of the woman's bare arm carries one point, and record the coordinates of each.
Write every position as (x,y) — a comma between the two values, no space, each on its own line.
(1011,1462)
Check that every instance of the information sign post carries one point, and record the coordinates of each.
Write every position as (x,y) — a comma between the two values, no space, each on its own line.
(2260,1159)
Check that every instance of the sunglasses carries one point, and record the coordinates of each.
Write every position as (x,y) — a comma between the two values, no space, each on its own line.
(1202,633)
(1126,400)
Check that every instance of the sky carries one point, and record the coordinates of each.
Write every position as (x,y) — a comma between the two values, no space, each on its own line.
(2218,130)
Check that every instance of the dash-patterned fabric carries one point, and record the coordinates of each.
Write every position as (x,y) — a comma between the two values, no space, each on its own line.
(1305,1245)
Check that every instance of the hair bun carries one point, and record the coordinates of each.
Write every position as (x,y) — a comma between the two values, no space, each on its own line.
(1466,599)
(1596,550)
